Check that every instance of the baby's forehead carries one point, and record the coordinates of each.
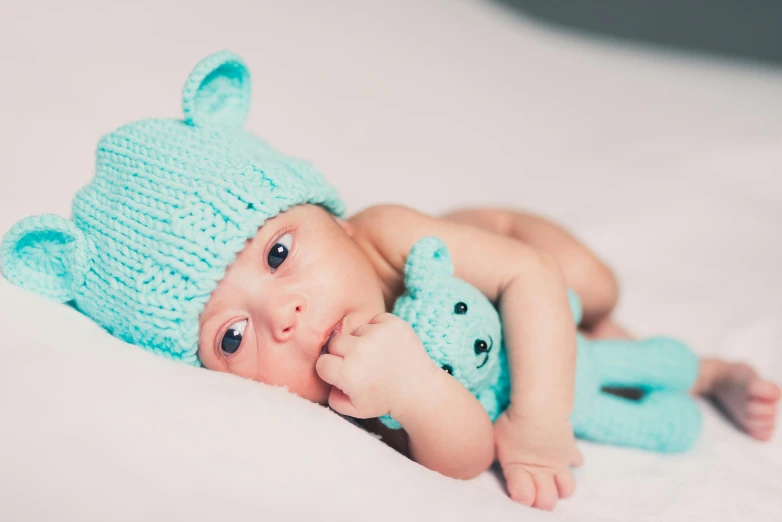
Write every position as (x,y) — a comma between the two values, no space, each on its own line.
(250,254)
(228,286)
(218,300)
(251,245)
(247,256)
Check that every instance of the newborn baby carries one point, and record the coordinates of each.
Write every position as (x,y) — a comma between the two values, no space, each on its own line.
(314,318)
(200,243)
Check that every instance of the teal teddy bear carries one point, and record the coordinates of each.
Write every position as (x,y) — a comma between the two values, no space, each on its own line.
(462,332)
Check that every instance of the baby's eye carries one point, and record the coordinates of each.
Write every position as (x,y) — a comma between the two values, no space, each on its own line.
(233,337)
(280,251)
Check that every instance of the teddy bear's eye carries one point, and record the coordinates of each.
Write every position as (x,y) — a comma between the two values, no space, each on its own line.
(448,368)
(481,346)
(460,308)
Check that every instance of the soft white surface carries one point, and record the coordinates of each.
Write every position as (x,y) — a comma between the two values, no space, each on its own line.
(668,166)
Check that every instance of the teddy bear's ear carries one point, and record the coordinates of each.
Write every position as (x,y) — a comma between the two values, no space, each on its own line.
(217,92)
(46,255)
(575,306)
(490,403)
(427,263)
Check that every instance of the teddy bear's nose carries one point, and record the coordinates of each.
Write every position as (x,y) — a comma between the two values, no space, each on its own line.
(481,346)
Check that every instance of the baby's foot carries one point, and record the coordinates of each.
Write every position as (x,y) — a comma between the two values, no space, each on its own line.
(750,401)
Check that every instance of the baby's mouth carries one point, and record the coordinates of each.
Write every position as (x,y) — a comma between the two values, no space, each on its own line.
(334,332)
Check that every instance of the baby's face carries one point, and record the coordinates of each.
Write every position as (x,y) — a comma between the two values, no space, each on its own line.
(299,277)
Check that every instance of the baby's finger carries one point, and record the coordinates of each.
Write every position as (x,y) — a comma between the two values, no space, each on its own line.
(521,487)
(381,318)
(341,403)
(547,494)
(577,459)
(341,345)
(329,368)
(566,484)
(362,330)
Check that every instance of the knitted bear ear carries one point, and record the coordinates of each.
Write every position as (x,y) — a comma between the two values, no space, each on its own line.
(575,306)
(217,92)
(427,264)
(46,255)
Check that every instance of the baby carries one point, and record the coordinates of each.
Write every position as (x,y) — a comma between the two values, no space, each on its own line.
(200,243)
(314,318)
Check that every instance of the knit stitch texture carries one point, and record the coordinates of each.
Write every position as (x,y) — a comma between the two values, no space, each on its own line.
(461,331)
(170,206)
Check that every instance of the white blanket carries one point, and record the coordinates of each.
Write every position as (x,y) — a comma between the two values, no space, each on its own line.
(669,166)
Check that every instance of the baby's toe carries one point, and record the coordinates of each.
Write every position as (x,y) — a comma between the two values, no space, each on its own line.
(758,409)
(761,430)
(761,418)
(765,390)
(765,434)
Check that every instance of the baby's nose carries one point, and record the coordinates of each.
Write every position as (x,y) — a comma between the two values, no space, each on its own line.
(286,316)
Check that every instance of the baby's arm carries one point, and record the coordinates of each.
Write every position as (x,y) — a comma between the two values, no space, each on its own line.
(382,367)
(587,274)
(535,442)
(448,430)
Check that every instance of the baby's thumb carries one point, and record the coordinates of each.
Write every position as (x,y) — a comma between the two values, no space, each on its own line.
(577,458)
(341,403)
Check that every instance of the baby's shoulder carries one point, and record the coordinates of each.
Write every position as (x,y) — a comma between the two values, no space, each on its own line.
(392,229)
(384,214)
(388,221)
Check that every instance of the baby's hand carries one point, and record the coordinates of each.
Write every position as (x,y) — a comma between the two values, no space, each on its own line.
(378,369)
(536,453)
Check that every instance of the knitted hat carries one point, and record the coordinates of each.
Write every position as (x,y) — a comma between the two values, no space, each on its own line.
(171,205)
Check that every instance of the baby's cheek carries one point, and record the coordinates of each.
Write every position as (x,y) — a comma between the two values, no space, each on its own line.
(301,379)
(243,368)
(244,362)
(315,389)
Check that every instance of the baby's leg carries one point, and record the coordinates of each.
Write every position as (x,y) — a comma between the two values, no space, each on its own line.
(747,399)
(584,272)
(606,328)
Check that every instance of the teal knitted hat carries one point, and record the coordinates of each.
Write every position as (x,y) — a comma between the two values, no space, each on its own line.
(171,205)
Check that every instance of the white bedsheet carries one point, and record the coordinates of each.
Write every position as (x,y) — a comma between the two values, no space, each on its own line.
(669,166)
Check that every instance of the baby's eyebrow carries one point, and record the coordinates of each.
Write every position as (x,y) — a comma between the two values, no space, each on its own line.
(214,307)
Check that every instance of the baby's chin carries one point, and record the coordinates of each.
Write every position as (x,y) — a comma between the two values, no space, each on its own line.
(324,400)
(319,393)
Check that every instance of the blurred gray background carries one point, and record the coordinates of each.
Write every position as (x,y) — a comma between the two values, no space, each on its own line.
(750,29)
